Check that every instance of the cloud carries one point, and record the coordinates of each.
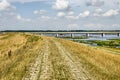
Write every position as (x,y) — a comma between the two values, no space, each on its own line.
(61,5)
(84,14)
(24,1)
(61,14)
(70,12)
(96,3)
(19,17)
(40,12)
(67,15)
(45,17)
(72,17)
(102,26)
(111,12)
(98,12)
(64,19)
(6,6)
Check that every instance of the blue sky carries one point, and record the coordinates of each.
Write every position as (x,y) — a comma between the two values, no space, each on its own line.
(59,15)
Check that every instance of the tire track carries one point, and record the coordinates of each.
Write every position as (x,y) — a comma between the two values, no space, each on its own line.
(78,73)
(34,69)
(40,69)
(54,62)
(46,66)
(60,69)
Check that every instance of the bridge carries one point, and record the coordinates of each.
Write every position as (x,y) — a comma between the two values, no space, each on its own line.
(73,34)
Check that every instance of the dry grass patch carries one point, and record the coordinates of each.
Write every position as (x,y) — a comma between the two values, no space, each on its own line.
(101,64)
(24,51)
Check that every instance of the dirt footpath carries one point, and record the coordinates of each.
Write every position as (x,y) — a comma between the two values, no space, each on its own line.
(56,63)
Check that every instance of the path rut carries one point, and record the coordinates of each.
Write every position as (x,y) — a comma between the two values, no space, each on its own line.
(77,71)
(46,67)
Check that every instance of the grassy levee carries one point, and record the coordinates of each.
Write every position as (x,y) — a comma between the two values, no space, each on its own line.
(56,58)
(24,47)
(101,65)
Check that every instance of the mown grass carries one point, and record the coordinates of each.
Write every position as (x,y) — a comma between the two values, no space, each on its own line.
(101,65)
(24,51)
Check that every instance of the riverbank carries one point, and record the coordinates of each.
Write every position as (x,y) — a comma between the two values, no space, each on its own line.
(108,44)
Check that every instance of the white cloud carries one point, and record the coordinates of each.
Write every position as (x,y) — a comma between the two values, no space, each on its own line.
(68,15)
(111,12)
(70,12)
(61,14)
(6,6)
(45,17)
(72,17)
(96,3)
(40,12)
(102,26)
(23,1)
(98,12)
(84,14)
(61,5)
(19,17)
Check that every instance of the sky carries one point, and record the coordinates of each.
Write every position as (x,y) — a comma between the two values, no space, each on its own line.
(59,14)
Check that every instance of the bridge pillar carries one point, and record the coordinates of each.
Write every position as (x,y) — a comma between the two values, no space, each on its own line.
(87,34)
(103,34)
(72,35)
(57,35)
(118,34)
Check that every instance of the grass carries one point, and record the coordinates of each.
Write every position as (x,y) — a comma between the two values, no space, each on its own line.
(112,43)
(101,64)
(24,50)
(60,69)
(6,36)
(25,47)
